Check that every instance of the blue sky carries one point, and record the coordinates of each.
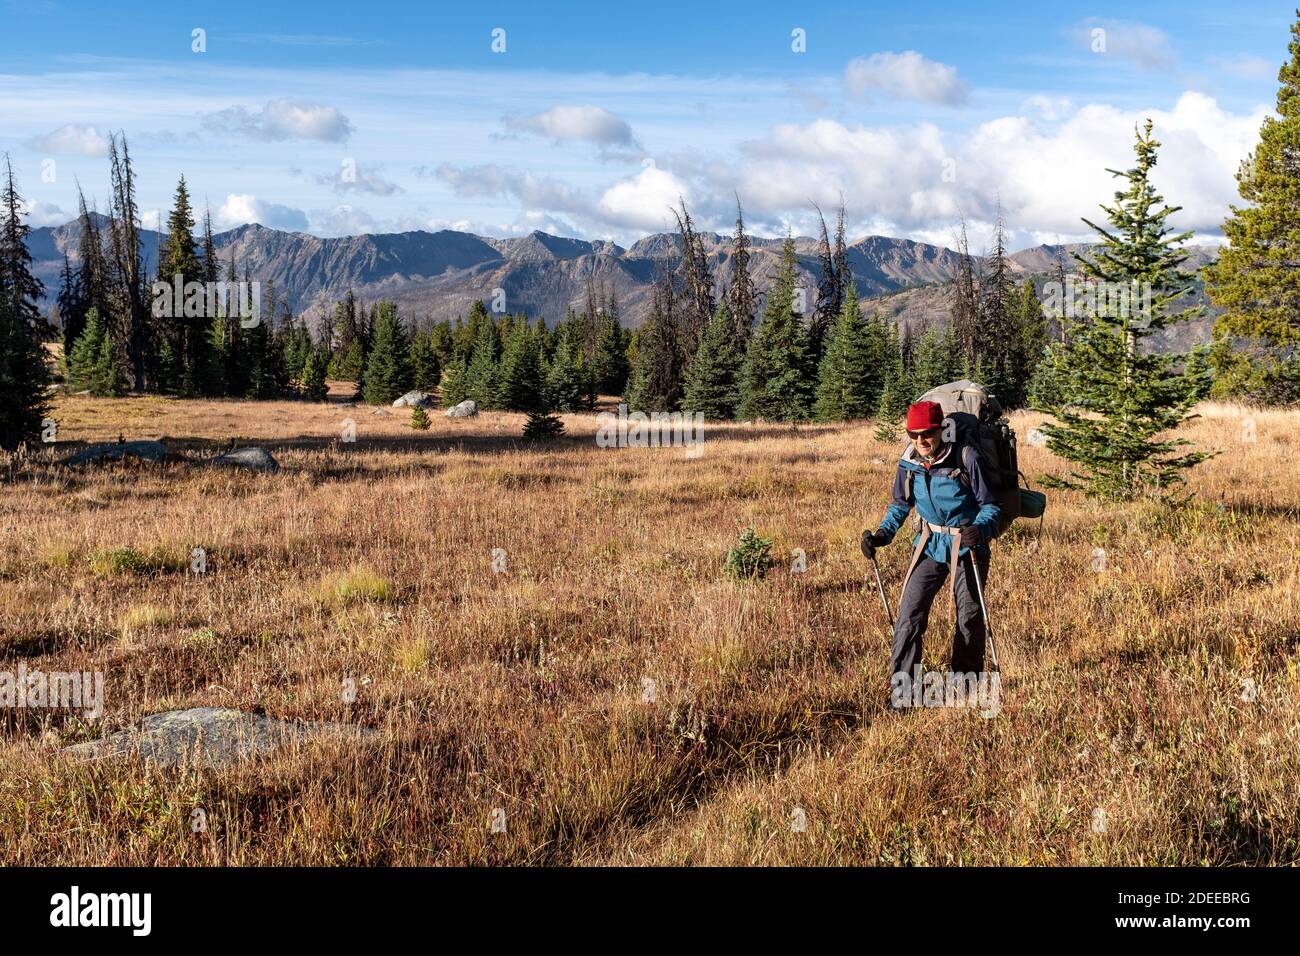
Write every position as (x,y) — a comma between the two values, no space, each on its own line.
(372,117)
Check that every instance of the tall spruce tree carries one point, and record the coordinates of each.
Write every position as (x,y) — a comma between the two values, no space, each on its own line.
(776,380)
(24,372)
(1031,326)
(482,376)
(130,325)
(742,297)
(186,330)
(426,370)
(314,370)
(1256,279)
(388,367)
(998,342)
(71,305)
(830,286)
(895,393)
(655,384)
(92,267)
(609,365)
(712,387)
(520,388)
(1117,399)
(849,379)
(965,305)
(697,301)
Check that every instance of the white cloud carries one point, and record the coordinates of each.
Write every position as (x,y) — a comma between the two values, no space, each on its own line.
(354,178)
(72,140)
(240,209)
(282,119)
(905,76)
(1144,46)
(590,124)
(532,190)
(40,214)
(644,200)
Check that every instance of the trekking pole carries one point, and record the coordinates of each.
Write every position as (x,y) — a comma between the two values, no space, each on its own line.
(984,609)
(881,588)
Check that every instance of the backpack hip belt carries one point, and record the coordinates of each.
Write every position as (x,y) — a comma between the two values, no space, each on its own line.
(928,529)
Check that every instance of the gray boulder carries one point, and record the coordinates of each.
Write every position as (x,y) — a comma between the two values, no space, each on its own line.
(143,450)
(466,409)
(413,398)
(209,737)
(252,458)
(1036,438)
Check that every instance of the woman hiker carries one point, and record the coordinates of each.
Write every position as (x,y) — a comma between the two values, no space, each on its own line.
(958,508)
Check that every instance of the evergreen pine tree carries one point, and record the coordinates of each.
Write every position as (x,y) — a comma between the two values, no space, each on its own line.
(849,379)
(741,296)
(895,393)
(565,388)
(388,368)
(1255,279)
(129,321)
(1031,327)
(314,370)
(609,366)
(776,382)
(71,306)
(1117,398)
(520,388)
(85,353)
(186,334)
(24,372)
(24,377)
(711,386)
(655,384)
(426,371)
(482,377)
(454,390)
(108,379)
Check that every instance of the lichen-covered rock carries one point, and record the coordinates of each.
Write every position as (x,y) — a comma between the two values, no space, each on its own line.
(143,450)
(208,737)
(252,458)
(415,398)
(465,409)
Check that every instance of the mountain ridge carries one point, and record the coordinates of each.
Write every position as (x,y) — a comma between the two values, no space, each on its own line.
(437,274)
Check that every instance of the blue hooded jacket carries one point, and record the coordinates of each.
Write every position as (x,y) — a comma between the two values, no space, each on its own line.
(942,498)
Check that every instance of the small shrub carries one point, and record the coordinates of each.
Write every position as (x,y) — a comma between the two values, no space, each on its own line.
(357,584)
(542,426)
(750,558)
(419,418)
(107,562)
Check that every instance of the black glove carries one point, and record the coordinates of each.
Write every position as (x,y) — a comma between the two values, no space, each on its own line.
(970,536)
(872,540)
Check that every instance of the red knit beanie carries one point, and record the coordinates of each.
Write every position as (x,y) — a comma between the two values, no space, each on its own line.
(923,416)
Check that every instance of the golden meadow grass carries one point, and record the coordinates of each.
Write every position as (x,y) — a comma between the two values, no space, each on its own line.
(1126,696)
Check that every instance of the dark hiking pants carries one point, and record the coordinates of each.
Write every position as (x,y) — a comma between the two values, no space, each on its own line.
(929,580)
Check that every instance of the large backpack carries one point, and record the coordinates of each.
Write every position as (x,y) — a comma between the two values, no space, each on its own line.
(973,419)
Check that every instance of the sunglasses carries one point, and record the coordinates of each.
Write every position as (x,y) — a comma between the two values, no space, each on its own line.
(928,433)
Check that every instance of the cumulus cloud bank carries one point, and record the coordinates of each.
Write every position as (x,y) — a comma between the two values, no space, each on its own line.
(905,76)
(282,120)
(72,140)
(589,124)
